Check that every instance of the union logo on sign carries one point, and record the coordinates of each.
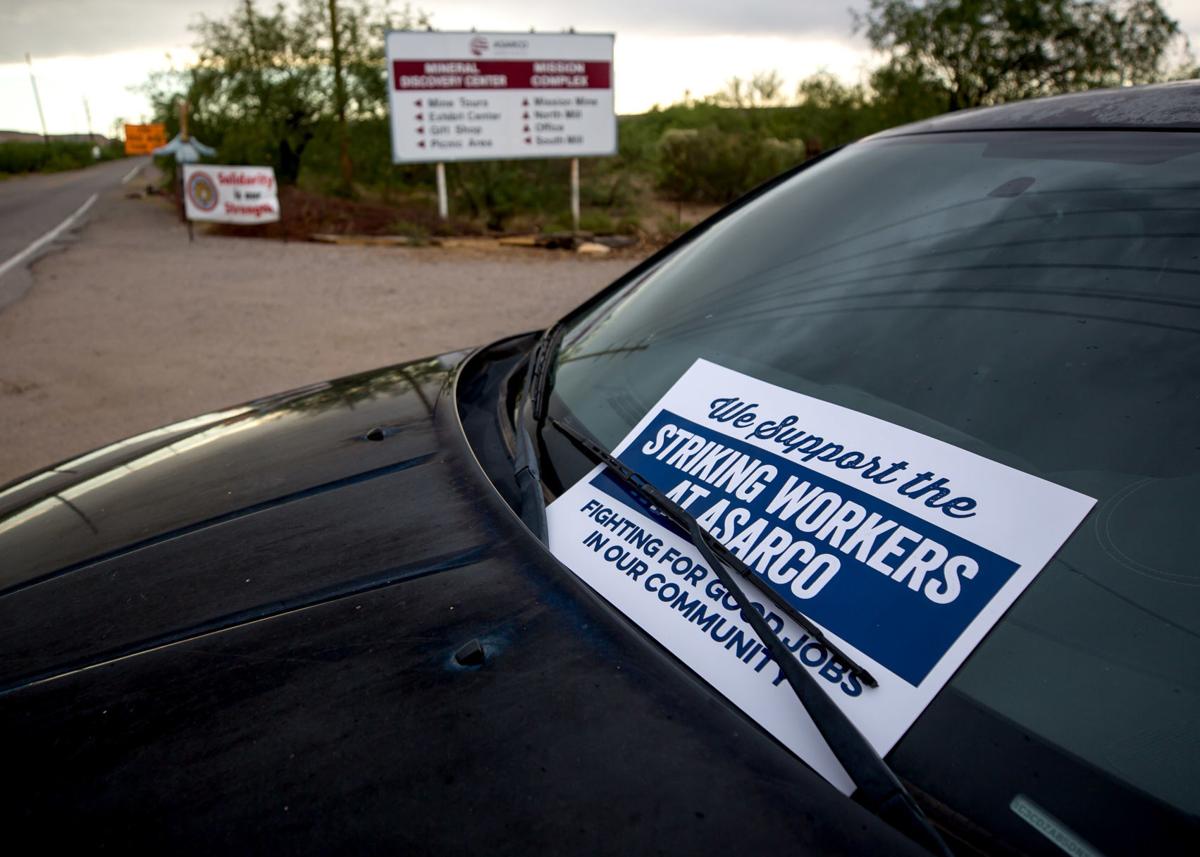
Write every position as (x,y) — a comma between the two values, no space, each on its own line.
(202,191)
(479,44)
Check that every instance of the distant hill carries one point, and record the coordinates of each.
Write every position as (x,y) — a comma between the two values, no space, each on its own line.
(26,137)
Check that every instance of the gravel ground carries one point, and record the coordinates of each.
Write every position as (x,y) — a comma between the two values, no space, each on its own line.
(131,327)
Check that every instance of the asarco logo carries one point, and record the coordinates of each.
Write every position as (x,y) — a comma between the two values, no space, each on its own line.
(479,45)
(202,192)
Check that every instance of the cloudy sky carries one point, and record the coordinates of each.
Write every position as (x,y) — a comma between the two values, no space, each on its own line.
(98,49)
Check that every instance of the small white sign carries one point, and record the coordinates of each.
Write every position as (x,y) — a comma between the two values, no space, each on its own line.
(493,96)
(230,194)
(904,549)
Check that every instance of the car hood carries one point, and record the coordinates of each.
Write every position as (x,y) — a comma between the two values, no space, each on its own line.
(311,624)
(155,533)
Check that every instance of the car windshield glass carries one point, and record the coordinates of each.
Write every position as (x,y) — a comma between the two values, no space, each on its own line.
(1033,297)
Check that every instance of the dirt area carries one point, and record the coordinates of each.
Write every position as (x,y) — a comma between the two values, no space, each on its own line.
(303,214)
(131,326)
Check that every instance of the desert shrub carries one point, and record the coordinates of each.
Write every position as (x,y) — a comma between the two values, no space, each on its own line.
(497,191)
(598,222)
(711,165)
(19,156)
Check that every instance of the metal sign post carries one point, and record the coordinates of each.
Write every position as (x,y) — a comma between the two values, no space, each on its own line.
(443,201)
(575,195)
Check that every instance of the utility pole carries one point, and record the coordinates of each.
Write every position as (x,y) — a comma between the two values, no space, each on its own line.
(339,85)
(87,111)
(37,98)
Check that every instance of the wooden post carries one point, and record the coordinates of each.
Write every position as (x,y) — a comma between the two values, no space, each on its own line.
(180,189)
(183,136)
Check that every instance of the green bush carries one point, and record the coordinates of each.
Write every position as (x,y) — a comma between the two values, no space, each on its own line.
(371,155)
(597,222)
(19,156)
(499,191)
(711,165)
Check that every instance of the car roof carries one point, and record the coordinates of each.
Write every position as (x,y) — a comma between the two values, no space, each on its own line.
(1167,107)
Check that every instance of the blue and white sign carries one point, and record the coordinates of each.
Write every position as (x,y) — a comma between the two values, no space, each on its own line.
(904,549)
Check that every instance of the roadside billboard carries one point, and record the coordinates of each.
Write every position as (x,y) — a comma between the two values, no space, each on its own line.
(144,139)
(220,194)
(466,96)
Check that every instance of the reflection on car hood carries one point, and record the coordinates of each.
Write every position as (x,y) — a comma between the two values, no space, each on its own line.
(240,633)
(178,514)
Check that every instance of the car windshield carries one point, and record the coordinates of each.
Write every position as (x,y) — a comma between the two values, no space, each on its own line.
(1032,297)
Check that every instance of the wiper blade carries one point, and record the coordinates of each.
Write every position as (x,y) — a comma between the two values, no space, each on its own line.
(531,508)
(540,375)
(535,394)
(532,511)
(685,521)
(879,788)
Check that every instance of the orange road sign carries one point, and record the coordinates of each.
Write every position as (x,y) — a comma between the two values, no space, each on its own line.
(144,139)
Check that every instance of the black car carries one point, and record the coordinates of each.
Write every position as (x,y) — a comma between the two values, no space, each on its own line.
(326,621)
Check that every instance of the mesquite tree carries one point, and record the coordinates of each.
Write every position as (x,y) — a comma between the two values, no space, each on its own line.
(987,51)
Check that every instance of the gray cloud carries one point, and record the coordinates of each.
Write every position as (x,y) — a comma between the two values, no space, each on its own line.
(49,28)
(672,17)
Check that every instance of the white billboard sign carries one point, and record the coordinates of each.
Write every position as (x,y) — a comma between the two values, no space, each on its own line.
(221,194)
(494,96)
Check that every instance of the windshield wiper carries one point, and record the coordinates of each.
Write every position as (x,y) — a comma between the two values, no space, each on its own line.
(537,386)
(709,545)
(540,364)
(532,408)
(532,511)
(878,787)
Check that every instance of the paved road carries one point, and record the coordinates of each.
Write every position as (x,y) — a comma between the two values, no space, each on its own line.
(33,206)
